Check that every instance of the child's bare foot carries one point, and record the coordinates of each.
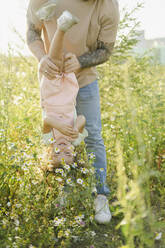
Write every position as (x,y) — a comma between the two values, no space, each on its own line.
(66,21)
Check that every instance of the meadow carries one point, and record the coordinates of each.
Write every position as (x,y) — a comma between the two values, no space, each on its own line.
(32,215)
(132,100)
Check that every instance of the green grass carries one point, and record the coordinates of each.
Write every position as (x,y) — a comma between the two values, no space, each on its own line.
(133,117)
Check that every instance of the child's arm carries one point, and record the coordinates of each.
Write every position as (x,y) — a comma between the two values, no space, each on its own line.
(80,123)
(51,122)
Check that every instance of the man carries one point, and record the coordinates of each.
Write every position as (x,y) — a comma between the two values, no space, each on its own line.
(87,44)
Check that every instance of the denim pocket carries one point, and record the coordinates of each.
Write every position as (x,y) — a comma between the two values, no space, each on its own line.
(89,91)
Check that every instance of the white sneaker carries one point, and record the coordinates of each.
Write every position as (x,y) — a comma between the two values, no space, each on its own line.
(66,21)
(102,211)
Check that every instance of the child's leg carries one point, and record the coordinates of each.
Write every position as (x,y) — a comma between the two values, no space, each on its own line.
(64,23)
(56,47)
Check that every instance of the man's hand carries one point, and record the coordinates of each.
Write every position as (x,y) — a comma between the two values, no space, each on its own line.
(48,68)
(71,63)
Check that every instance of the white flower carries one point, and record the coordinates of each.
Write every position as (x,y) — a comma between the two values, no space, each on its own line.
(69,180)
(24,168)
(4,222)
(67,232)
(16,222)
(23,74)
(59,179)
(61,171)
(92,233)
(2,102)
(92,171)
(57,170)
(8,204)
(101,169)
(57,221)
(71,148)
(17,237)
(79,181)
(67,167)
(74,154)
(91,155)
(50,167)
(84,170)
(18,205)
(123,222)
(74,165)
(112,126)
(57,150)
(91,218)
(79,217)
(17,99)
(81,161)
(112,118)
(158,236)
(52,140)
(34,182)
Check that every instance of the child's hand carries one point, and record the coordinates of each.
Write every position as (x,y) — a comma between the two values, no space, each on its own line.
(76,133)
(71,63)
(68,131)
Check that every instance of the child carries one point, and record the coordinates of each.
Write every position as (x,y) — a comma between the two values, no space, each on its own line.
(58,96)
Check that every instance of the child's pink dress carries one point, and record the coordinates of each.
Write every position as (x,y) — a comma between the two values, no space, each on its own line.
(58,99)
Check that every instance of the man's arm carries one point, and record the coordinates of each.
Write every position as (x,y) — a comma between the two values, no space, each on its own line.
(34,41)
(99,56)
(36,46)
(89,59)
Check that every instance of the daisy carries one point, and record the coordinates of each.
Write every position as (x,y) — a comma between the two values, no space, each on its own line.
(74,154)
(92,170)
(67,167)
(69,180)
(91,155)
(57,150)
(81,161)
(52,140)
(67,232)
(79,181)
(84,170)
(74,165)
(59,179)
(158,236)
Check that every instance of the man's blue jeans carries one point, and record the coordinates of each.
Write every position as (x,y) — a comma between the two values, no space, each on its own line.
(88,104)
